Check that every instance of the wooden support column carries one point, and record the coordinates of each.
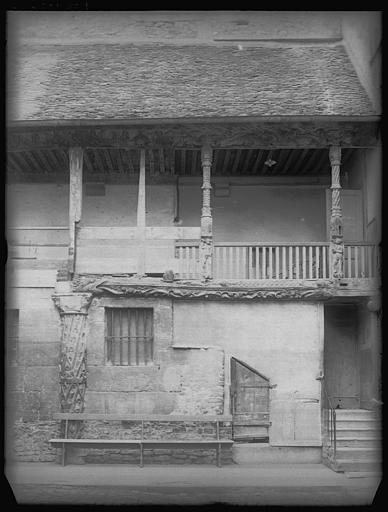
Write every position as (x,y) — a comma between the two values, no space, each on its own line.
(73,310)
(141,218)
(75,202)
(336,224)
(206,244)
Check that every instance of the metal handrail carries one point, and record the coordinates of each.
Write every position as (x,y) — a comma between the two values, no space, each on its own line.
(331,419)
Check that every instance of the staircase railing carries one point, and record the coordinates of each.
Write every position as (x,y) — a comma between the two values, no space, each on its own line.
(330,418)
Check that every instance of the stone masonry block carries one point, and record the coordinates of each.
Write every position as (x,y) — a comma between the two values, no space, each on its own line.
(14,378)
(39,354)
(38,325)
(131,403)
(123,378)
(38,378)
(172,379)
(31,406)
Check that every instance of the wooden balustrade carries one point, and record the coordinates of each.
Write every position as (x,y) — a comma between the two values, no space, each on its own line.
(361,260)
(230,261)
(187,254)
(272,261)
(277,261)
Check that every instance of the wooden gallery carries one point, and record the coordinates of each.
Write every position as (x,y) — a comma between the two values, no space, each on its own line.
(193,228)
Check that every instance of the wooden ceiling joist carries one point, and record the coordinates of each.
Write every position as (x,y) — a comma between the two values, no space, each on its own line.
(115,162)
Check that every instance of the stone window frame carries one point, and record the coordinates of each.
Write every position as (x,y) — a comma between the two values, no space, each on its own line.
(96,329)
(144,357)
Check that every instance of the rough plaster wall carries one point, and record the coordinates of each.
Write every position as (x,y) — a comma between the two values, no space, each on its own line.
(47,205)
(32,387)
(366,174)
(116,208)
(369,357)
(37,205)
(159,205)
(179,381)
(281,340)
(201,381)
(262,214)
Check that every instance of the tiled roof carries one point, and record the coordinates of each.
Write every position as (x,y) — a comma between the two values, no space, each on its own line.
(168,81)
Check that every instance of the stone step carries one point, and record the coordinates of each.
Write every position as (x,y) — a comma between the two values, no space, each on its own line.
(358,453)
(367,442)
(358,433)
(258,453)
(358,423)
(351,465)
(356,414)
(363,474)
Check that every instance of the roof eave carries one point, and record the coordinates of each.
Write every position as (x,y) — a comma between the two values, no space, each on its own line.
(191,120)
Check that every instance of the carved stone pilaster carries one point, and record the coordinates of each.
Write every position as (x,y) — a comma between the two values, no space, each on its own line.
(206,243)
(73,309)
(336,224)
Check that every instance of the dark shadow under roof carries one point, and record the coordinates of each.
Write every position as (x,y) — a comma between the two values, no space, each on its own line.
(153,81)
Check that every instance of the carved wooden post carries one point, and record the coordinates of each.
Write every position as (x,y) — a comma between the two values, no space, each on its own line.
(75,202)
(141,217)
(206,244)
(73,309)
(336,225)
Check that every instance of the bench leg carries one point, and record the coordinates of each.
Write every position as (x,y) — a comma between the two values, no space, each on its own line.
(141,455)
(63,454)
(219,455)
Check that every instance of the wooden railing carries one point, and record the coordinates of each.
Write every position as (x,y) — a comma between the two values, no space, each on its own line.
(361,259)
(187,254)
(262,261)
(277,261)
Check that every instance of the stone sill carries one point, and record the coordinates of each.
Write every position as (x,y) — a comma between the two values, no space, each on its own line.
(296,443)
(198,347)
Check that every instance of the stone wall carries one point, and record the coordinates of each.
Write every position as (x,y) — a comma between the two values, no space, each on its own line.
(28,441)
(281,340)
(152,430)
(180,381)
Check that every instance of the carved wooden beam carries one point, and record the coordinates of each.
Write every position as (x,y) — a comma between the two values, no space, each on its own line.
(106,287)
(73,309)
(264,134)
(75,202)
(336,224)
(141,217)
(206,243)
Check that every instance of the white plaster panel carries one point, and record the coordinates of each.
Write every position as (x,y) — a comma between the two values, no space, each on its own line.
(281,340)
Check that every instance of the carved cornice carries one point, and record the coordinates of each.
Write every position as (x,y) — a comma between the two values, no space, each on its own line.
(223,135)
(205,292)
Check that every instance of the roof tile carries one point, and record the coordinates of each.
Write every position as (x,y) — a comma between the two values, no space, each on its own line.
(168,81)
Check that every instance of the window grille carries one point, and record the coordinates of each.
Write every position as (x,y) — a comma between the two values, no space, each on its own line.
(12,336)
(129,336)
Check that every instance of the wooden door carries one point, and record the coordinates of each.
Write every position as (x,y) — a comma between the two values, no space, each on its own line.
(341,367)
(249,403)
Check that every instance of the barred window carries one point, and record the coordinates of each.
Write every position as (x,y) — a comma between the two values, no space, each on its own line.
(12,336)
(129,336)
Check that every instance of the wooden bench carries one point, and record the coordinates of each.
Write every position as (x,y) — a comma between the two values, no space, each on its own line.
(142,443)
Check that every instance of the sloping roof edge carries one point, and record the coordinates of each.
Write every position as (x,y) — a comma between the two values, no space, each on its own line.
(189,120)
